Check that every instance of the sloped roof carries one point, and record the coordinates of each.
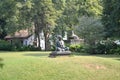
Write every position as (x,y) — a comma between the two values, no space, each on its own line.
(22,34)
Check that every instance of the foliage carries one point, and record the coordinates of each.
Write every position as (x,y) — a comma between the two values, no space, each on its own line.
(90,29)
(5,46)
(9,13)
(3,32)
(115,51)
(72,10)
(45,14)
(76,48)
(26,13)
(28,48)
(53,48)
(90,7)
(106,47)
(111,18)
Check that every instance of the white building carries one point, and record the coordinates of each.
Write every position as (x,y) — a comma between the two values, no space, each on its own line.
(25,38)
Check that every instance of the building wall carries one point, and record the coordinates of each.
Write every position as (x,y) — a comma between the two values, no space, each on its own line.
(30,41)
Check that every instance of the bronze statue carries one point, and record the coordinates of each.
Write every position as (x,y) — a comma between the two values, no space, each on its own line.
(60,46)
(61,49)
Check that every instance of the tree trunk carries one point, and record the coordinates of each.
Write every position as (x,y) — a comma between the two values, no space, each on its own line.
(37,33)
(47,43)
(39,40)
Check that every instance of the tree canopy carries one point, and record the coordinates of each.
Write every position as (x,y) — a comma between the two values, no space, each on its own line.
(111,18)
(58,16)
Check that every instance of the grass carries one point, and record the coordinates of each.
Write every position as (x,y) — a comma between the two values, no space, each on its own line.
(38,66)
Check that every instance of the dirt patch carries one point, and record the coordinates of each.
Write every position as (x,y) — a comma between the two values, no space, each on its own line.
(95,66)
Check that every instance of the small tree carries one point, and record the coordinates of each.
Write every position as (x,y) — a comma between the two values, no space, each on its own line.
(90,29)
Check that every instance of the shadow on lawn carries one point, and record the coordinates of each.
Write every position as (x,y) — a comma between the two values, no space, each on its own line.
(36,54)
(115,57)
(1,64)
(108,56)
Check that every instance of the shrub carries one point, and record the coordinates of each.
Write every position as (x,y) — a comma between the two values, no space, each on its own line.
(5,46)
(115,50)
(23,48)
(53,48)
(28,48)
(33,48)
(90,49)
(105,47)
(100,48)
(76,48)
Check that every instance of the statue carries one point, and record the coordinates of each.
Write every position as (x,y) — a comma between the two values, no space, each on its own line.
(60,46)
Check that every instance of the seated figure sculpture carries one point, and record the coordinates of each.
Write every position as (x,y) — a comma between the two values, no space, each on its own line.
(60,45)
(60,48)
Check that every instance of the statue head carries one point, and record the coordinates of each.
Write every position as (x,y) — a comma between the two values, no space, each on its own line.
(59,37)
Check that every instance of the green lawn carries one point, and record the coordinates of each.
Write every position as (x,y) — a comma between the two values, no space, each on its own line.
(38,66)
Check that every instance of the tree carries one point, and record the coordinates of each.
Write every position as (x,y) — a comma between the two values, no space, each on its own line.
(111,18)
(73,10)
(8,10)
(90,7)
(60,28)
(21,14)
(14,14)
(90,29)
(3,31)
(44,16)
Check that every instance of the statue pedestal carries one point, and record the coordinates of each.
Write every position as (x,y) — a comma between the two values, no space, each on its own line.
(59,53)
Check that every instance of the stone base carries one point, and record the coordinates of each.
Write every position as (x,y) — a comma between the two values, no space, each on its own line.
(59,53)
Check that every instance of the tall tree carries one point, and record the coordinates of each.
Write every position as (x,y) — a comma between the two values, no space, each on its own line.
(60,28)
(8,10)
(14,13)
(90,7)
(44,15)
(3,32)
(40,13)
(111,18)
(75,9)
(90,29)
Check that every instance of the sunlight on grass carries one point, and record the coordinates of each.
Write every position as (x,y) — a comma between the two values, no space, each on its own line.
(38,66)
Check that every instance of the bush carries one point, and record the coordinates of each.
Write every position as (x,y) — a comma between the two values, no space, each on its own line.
(90,49)
(53,48)
(28,48)
(33,48)
(76,48)
(5,46)
(115,50)
(23,48)
(105,47)
(102,47)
